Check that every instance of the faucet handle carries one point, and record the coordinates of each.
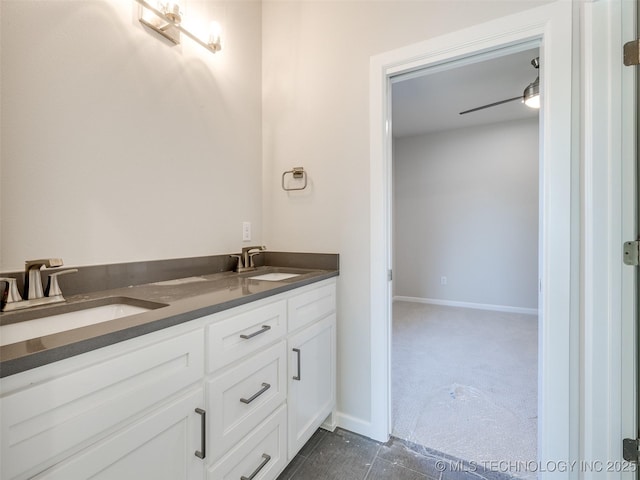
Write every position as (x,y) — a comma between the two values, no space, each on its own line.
(240,262)
(251,255)
(46,262)
(53,288)
(254,247)
(11,294)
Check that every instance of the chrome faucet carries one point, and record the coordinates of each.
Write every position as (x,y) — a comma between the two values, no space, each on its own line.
(33,292)
(245,259)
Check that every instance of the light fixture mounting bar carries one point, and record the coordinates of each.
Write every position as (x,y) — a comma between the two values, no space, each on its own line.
(170,29)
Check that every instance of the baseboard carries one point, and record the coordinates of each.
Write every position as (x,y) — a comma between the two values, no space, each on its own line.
(478,306)
(329,423)
(353,424)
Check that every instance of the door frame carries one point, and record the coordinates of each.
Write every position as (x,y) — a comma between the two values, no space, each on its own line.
(551,25)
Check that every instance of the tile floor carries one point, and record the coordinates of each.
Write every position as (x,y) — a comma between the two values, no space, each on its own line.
(343,455)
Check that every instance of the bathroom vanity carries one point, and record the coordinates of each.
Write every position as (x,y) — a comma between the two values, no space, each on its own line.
(228,381)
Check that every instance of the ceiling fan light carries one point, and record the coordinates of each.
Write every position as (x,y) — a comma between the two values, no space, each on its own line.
(531,95)
(533,102)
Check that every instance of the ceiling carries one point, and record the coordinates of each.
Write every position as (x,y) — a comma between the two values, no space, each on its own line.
(431,102)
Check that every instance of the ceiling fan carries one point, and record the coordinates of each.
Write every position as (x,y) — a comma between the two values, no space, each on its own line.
(530,97)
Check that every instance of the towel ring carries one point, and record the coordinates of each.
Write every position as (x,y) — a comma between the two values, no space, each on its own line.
(297,173)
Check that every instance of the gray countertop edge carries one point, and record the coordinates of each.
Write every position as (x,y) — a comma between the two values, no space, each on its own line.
(24,362)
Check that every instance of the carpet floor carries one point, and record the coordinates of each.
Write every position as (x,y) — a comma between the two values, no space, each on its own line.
(464,382)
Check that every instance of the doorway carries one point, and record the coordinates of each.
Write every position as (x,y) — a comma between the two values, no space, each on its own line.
(549,25)
(465,262)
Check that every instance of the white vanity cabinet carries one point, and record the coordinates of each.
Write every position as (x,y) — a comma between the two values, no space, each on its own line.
(257,438)
(219,387)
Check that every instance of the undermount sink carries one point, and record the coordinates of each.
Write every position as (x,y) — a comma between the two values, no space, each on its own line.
(274,276)
(67,317)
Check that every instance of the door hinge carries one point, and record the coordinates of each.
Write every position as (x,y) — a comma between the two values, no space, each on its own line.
(631,53)
(390,275)
(632,253)
(630,450)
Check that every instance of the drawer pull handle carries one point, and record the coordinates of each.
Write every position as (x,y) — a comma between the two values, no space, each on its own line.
(265,387)
(251,335)
(203,433)
(260,467)
(298,377)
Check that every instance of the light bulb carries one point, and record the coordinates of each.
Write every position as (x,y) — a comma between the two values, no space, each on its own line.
(214,34)
(533,101)
(172,11)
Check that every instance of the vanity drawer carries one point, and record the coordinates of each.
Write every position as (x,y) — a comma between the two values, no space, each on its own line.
(244,395)
(311,306)
(263,452)
(61,414)
(240,335)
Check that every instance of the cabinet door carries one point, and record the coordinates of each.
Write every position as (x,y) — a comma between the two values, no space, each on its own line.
(161,446)
(311,380)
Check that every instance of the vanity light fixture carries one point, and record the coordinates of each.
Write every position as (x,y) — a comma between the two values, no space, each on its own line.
(166,19)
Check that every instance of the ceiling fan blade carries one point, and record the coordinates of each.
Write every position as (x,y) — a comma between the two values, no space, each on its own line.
(491,105)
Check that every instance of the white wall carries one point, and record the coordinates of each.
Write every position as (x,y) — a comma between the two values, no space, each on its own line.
(466,207)
(119,147)
(316,114)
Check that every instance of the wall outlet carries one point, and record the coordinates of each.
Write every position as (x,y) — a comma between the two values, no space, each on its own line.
(246,231)
(443,280)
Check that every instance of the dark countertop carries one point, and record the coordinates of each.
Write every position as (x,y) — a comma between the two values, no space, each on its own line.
(185,299)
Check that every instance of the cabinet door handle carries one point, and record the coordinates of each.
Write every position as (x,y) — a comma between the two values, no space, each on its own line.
(251,335)
(203,433)
(260,467)
(265,387)
(299,376)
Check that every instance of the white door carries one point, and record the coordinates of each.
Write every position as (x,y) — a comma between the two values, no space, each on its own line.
(630,445)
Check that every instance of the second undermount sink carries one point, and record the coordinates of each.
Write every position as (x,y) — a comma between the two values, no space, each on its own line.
(39,323)
(274,276)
